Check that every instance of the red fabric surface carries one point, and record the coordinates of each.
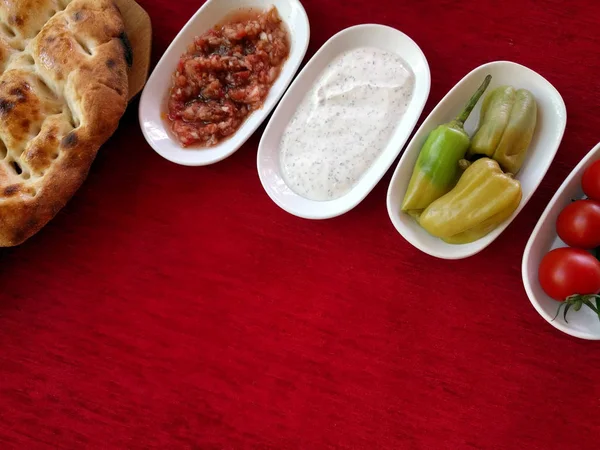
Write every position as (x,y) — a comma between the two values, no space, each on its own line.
(177,307)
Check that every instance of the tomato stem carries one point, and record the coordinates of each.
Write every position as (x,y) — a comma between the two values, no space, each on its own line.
(566,311)
(591,306)
(558,311)
(576,302)
(596,253)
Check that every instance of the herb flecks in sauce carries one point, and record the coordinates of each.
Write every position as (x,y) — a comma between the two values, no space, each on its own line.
(344,122)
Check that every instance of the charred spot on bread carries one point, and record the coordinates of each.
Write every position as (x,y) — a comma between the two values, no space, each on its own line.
(70,140)
(17,168)
(127,50)
(111,63)
(19,93)
(16,20)
(11,190)
(6,106)
(77,16)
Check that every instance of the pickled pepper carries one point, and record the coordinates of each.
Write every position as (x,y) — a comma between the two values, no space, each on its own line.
(436,170)
(507,123)
(483,198)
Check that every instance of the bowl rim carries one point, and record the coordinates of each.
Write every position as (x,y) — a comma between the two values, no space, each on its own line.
(150,100)
(452,252)
(339,207)
(527,282)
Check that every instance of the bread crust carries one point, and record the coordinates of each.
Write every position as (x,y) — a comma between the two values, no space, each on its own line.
(61,97)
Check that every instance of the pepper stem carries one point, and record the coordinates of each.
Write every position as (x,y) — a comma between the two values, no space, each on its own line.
(464,115)
(464,164)
(597,255)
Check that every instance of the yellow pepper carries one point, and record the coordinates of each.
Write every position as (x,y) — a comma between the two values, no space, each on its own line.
(507,123)
(483,198)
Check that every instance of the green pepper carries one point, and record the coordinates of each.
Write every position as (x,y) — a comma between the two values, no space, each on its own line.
(483,198)
(506,127)
(437,170)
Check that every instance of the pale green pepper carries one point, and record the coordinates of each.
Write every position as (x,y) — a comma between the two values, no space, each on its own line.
(507,123)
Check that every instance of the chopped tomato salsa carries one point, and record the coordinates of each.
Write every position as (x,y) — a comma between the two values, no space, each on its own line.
(224,76)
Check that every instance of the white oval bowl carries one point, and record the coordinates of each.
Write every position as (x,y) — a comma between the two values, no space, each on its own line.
(551,123)
(153,102)
(268,163)
(583,324)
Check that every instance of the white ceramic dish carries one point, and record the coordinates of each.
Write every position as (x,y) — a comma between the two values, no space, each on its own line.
(268,163)
(153,102)
(583,324)
(552,119)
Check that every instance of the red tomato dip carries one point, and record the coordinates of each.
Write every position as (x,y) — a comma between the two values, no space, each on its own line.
(224,76)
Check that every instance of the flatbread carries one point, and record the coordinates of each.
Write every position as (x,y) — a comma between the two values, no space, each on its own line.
(63,89)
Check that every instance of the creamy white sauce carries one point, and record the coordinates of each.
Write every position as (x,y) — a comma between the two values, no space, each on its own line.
(344,122)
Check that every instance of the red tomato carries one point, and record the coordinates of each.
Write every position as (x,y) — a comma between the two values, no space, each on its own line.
(568,271)
(579,224)
(591,181)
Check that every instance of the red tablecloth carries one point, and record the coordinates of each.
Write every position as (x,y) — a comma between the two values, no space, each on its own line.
(174,307)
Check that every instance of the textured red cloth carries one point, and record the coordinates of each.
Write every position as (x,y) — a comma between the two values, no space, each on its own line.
(175,307)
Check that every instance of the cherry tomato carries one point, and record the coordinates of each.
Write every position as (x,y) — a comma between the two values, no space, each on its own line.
(568,271)
(591,181)
(579,224)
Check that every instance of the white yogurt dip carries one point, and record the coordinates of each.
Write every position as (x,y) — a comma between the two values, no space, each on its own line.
(344,122)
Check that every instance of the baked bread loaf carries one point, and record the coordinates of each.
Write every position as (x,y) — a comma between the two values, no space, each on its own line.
(63,89)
